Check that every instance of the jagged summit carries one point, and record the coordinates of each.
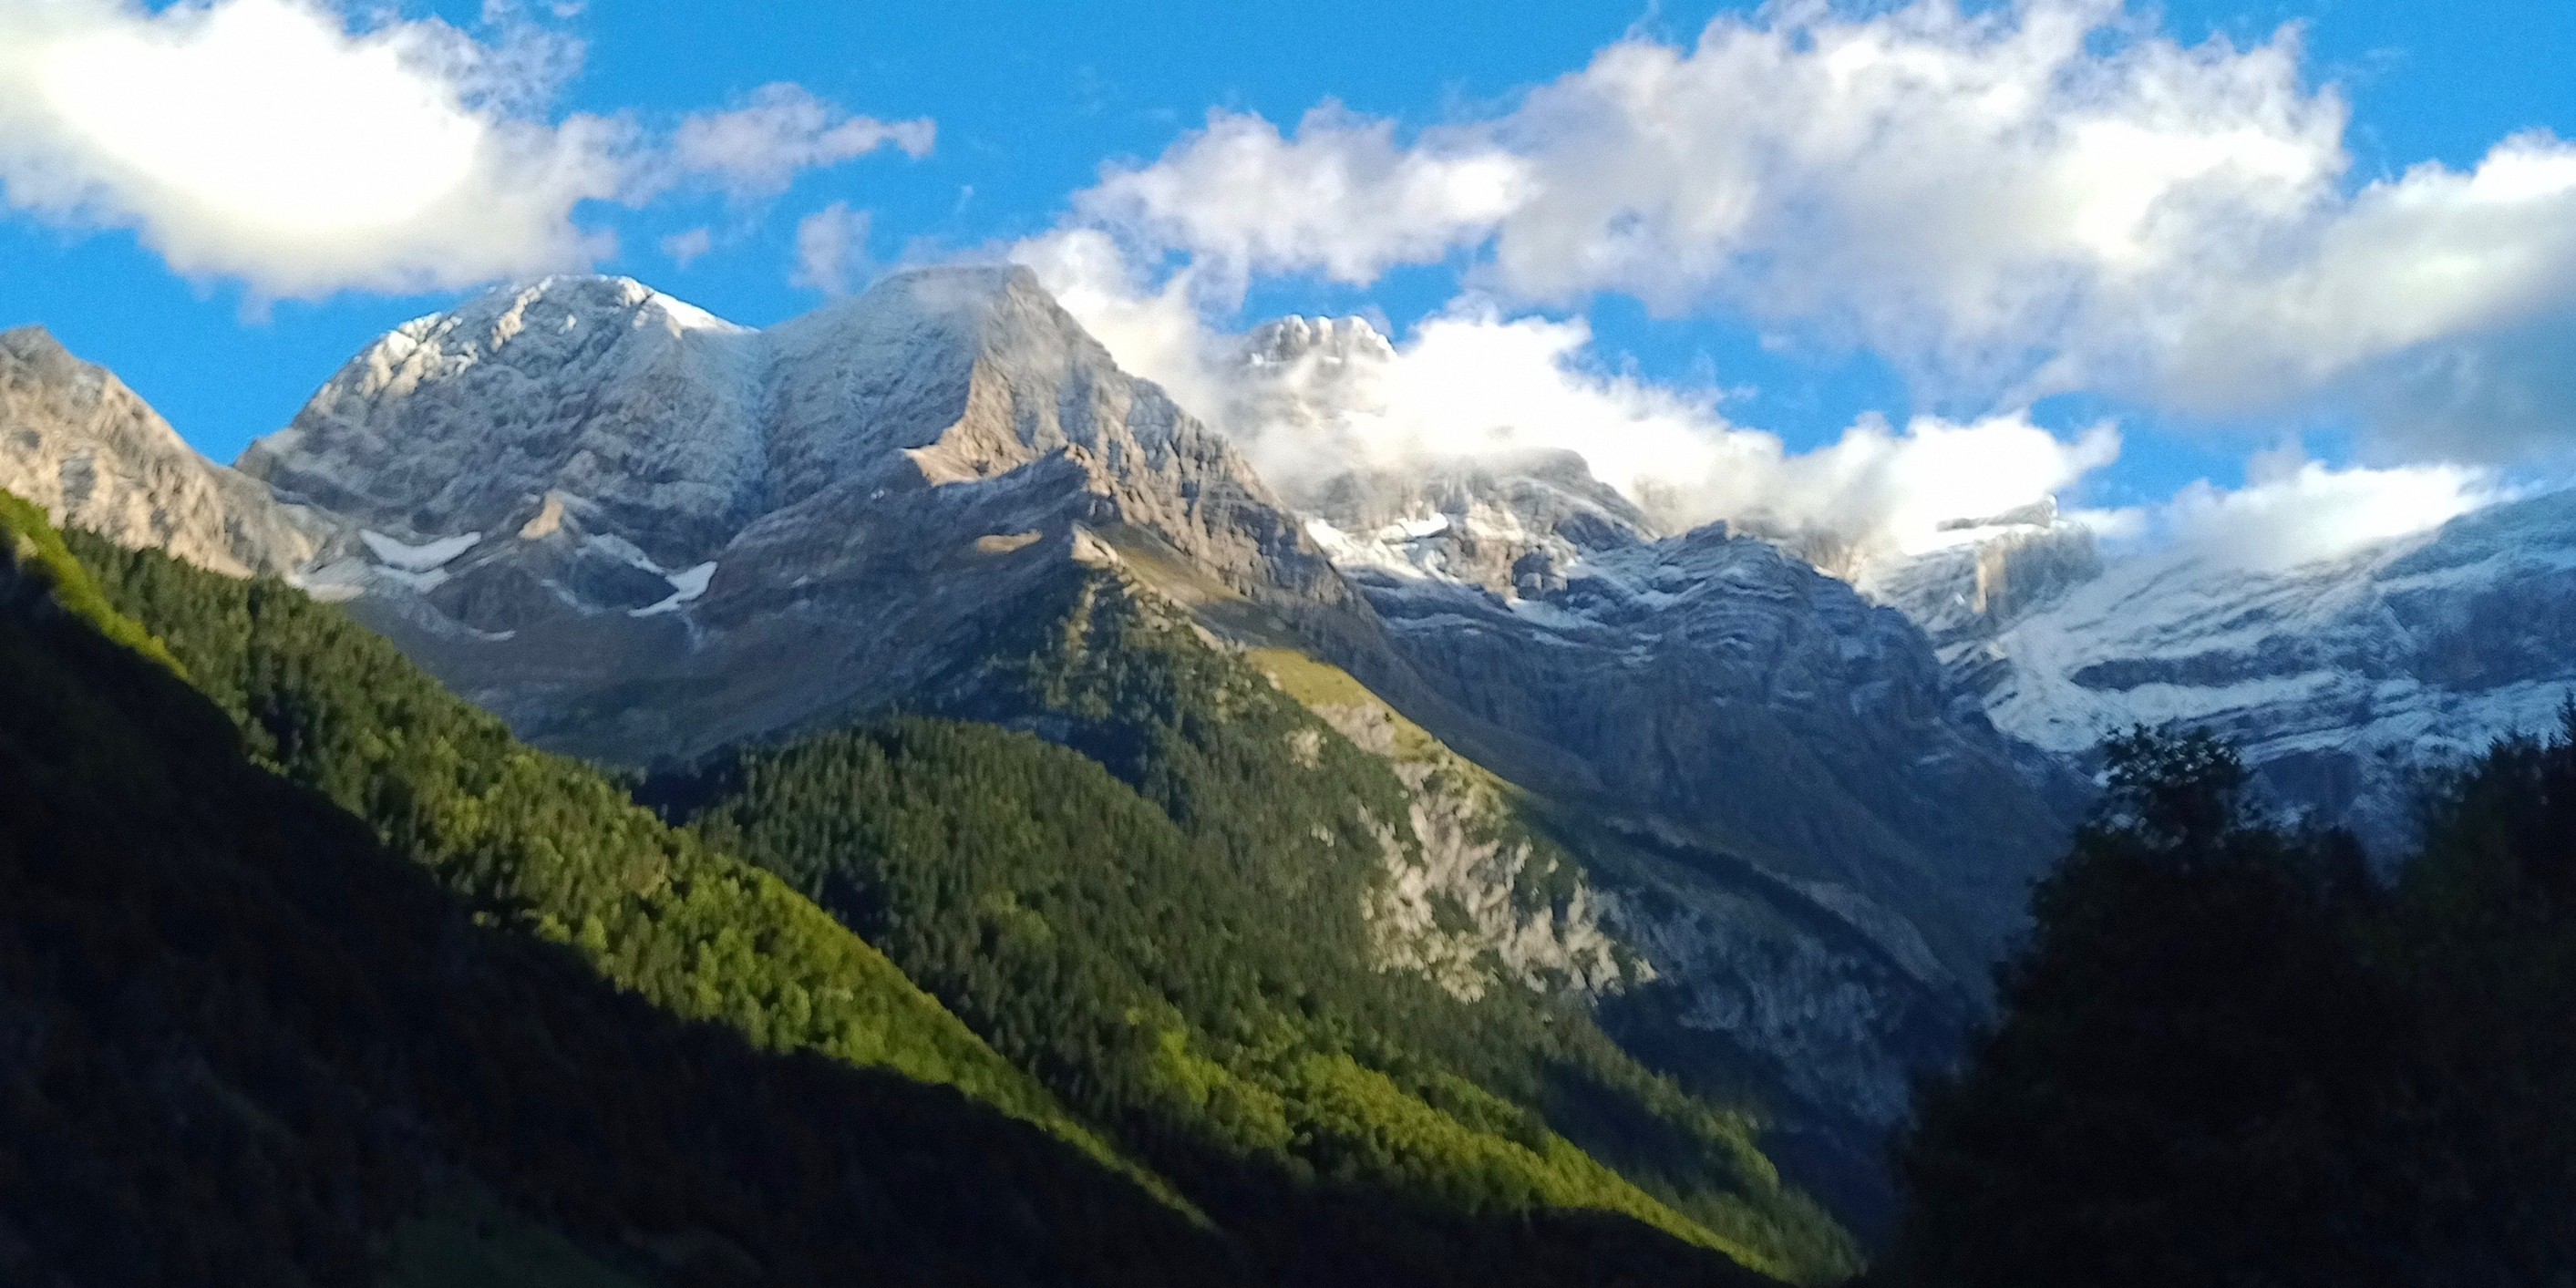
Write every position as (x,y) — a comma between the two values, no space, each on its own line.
(1332,340)
(2338,679)
(1983,575)
(597,388)
(1512,524)
(75,441)
(581,469)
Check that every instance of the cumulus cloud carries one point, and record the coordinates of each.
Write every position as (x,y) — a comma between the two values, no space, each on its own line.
(2293,510)
(262,139)
(1342,197)
(831,249)
(273,142)
(1471,382)
(2029,198)
(757,149)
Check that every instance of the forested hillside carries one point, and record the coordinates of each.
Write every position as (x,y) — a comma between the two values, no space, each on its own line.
(1177,943)
(247,1043)
(1399,1166)
(2233,1055)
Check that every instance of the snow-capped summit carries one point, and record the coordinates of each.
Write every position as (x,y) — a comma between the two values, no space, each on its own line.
(591,487)
(1511,525)
(1324,341)
(1984,574)
(2340,679)
(643,408)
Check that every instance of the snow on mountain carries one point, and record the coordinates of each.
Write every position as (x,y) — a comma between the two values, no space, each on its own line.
(671,505)
(594,388)
(639,533)
(2339,679)
(1808,831)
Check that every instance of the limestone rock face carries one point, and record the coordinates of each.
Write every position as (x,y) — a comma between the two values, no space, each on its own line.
(1775,839)
(76,441)
(660,533)
(2338,679)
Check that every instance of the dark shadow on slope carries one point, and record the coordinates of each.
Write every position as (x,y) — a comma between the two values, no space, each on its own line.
(241,1043)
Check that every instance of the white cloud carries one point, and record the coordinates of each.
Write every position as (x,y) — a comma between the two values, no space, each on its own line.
(1341,197)
(1157,331)
(831,249)
(274,142)
(2293,510)
(686,248)
(1471,382)
(757,149)
(263,139)
(2433,257)
(2031,198)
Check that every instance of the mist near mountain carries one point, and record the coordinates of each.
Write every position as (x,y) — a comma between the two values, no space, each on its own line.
(1801,784)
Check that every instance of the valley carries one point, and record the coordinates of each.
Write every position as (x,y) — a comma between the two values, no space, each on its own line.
(1443,876)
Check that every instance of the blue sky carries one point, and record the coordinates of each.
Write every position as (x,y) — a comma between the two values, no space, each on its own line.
(223,332)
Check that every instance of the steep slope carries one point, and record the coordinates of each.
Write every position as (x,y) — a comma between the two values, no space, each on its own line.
(1800,824)
(81,446)
(638,533)
(2338,679)
(1217,975)
(642,535)
(249,1044)
(1804,824)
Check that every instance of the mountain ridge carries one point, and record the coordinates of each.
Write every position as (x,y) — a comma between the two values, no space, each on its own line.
(2341,679)
(643,536)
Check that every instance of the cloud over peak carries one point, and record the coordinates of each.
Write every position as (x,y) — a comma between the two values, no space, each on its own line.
(2031,198)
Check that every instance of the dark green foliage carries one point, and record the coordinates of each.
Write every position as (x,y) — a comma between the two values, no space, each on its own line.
(1177,945)
(2229,1057)
(545,843)
(46,568)
(2483,932)
(243,1043)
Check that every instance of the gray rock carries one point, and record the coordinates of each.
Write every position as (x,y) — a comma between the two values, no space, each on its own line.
(78,443)
(2341,680)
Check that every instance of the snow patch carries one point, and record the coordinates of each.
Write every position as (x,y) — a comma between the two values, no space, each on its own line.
(686,584)
(422,558)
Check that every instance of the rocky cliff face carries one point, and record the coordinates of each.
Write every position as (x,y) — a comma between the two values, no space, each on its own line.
(75,441)
(2339,679)
(1801,823)
(640,533)
(1708,680)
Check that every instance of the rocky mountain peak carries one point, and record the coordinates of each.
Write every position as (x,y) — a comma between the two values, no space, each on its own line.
(1348,340)
(593,387)
(1512,524)
(582,469)
(79,443)
(1984,574)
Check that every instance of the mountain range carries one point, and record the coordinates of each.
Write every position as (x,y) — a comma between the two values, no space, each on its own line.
(1764,829)
(2342,680)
